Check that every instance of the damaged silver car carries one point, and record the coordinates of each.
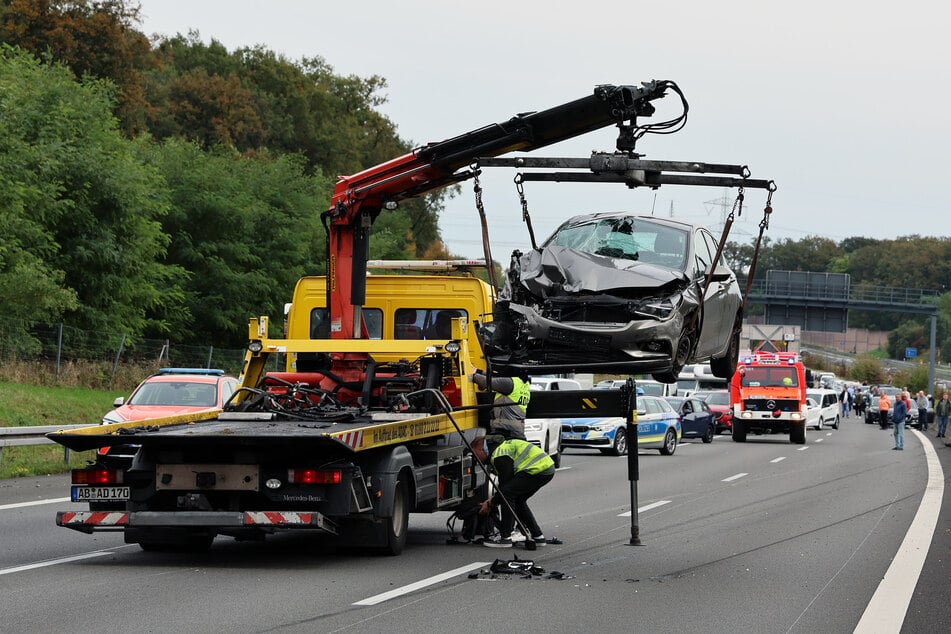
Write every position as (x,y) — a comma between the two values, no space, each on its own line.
(620,292)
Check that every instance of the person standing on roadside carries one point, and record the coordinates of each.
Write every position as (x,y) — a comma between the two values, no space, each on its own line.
(846,401)
(884,404)
(898,420)
(942,410)
(921,401)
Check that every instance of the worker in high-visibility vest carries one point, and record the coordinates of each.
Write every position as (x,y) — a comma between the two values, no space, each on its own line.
(522,470)
(510,403)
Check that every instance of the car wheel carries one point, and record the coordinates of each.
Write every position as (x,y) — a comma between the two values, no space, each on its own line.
(739,431)
(819,424)
(708,437)
(620,443)
(670,443)
(682,354)
(835,423)
(725,366)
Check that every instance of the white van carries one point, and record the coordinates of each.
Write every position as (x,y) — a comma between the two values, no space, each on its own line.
(829,409)
(546,432)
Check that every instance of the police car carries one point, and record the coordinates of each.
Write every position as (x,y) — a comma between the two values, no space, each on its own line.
(658,427)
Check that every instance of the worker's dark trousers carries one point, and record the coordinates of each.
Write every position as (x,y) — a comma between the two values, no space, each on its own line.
(517,491)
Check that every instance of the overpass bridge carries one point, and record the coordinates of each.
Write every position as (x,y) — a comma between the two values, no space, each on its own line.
(796,296)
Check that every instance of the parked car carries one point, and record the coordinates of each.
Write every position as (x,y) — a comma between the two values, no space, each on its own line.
(658,427)
(872,412)
(621,290)
(719,403)
(546,432)
(830,408)
(656,388)
(170,392)
(696,418)
(610,384)
(174,391)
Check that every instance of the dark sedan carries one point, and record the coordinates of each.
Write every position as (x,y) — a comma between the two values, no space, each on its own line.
(696,418)
(621,292)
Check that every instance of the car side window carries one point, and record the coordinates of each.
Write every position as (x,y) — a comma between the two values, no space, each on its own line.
(702,252)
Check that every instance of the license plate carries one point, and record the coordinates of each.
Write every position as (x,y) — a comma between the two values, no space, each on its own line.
(573,435)
(98,494)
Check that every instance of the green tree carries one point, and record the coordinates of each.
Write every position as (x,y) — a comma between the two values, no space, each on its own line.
(80,210)
(867,369)
(93,38)
(246,228)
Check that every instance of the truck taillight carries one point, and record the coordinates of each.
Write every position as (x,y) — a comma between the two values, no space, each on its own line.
(97,475)
(314,476)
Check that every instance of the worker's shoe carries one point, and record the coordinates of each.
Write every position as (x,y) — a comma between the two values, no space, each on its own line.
(517,537)
(497,541)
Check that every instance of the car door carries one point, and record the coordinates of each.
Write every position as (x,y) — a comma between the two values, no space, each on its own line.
(714,329)
(692,421)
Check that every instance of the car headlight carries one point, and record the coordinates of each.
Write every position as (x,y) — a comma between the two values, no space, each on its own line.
(660,308)
(112,417)
(602,427)
(533,425)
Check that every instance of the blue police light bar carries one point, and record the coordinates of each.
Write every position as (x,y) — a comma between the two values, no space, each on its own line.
(204,371)
(747,360)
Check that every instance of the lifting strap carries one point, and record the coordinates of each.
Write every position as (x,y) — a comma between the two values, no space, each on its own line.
(487,252)
(520,188)
(763,226)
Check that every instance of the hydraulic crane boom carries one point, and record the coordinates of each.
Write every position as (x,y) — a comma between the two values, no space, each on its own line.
(358,199)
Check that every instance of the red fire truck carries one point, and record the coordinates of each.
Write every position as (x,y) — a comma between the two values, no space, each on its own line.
(768,395)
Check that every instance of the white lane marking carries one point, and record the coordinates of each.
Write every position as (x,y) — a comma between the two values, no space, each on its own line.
(780,459)
(886,611)
(646,507)
(734,477)
(423,583)
(4,507)
(54,562)
(829,434)
(802,448)
(819,439)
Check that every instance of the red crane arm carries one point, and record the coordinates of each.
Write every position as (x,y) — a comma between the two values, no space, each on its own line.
(358,199)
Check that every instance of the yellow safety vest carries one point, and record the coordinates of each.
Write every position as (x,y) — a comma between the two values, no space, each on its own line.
(525,456)
(520,395)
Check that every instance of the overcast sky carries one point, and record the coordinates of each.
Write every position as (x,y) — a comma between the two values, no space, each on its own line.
(845,108)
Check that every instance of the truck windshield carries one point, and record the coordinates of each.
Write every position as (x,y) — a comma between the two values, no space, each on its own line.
(783,376)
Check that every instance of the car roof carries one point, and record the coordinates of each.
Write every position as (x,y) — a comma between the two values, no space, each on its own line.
(669,222)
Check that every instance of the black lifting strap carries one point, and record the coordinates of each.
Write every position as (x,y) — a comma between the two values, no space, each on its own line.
(736,211)
(520,188)
(486,251)
(763,226)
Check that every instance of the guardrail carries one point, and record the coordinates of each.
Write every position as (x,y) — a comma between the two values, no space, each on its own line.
(25,436)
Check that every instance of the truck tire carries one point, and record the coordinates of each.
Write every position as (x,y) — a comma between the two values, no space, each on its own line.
(797,433)
(670,443)
(395,528)
(739,430)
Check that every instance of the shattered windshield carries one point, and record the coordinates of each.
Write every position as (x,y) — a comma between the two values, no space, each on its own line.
(627,238)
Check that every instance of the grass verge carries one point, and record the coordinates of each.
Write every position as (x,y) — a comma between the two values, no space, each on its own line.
(26,405)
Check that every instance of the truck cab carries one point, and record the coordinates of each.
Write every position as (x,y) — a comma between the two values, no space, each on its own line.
(768,395)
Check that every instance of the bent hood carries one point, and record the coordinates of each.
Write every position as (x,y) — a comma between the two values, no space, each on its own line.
(557,270)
